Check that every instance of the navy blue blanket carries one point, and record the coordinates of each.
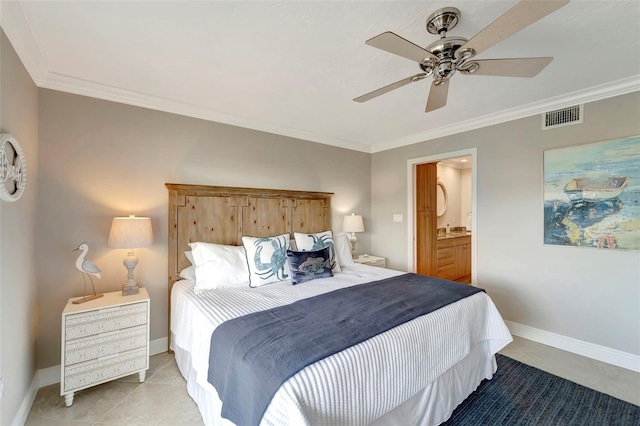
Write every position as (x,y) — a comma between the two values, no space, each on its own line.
(253,355)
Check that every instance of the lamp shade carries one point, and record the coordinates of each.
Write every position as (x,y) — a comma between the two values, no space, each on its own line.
(353,223)
(130,232)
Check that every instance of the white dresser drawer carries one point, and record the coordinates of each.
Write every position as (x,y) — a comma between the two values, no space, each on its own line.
(105,344)
(103,320)
(100,370)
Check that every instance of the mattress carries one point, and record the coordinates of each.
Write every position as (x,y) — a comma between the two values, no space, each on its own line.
(421,358)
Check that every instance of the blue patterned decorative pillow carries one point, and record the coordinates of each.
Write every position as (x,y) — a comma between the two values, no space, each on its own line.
(312,242)
(267,259)
(309,265)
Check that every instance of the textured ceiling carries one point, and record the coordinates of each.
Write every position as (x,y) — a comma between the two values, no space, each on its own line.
(293,67)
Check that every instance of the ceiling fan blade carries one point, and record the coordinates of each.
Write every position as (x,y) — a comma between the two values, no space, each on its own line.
(517,67)
(393,43)
(437,96)
(390,87)
(515,19)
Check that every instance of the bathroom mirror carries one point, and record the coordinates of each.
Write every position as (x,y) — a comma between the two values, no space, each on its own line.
(441,199)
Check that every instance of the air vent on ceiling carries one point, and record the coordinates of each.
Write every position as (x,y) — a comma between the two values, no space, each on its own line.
(562,117)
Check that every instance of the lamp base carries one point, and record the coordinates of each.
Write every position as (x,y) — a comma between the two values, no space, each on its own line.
(87,298)
(129,289)
(131,286)
(353,240)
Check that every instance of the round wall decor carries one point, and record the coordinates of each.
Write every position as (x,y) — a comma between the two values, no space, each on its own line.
(13,168)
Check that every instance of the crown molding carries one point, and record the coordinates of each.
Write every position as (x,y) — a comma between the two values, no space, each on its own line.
(65,83)
(18,30)
(596,93)
(77,86)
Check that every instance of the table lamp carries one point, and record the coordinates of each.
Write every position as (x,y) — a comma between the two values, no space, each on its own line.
(353,223)
(129,233)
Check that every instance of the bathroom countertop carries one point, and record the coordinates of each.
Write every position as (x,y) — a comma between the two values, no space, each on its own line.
(453,235)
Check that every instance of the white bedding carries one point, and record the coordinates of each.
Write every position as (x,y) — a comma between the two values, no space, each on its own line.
(359,384)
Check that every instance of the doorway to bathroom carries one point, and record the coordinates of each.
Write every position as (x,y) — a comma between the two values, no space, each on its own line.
(441,212)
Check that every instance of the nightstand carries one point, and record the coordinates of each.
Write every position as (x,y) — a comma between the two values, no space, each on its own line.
(370,260)
(102,340)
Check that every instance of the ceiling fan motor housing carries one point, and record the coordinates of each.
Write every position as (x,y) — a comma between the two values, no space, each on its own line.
(445,50)
(446,47)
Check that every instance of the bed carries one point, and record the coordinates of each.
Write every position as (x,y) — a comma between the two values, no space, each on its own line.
(414,373)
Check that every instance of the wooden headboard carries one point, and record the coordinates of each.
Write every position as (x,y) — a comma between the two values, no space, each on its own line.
(222,215)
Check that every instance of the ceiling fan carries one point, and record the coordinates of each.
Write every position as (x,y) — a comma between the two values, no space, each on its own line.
(444,57)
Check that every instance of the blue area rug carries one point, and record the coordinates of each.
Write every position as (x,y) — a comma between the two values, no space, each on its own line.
(521,395)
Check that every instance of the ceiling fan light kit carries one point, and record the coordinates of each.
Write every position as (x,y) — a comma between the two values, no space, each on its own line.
(442,58)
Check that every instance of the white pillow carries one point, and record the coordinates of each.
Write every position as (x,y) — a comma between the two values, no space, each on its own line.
(189,255)
(317,241)
(189,274)
(219,266)
(267,259)
(343,250)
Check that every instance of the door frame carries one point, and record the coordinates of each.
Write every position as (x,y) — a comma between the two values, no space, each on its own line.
(411,202)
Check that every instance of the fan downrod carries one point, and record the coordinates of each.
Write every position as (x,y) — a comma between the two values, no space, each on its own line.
(440,22)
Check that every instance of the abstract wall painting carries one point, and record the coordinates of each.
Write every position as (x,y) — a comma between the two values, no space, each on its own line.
(592,195)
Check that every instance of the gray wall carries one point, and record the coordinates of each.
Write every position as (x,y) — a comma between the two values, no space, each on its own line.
(18,310)
(590,295)
(101,159)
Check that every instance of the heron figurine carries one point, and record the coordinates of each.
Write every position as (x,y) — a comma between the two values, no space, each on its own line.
(88,269)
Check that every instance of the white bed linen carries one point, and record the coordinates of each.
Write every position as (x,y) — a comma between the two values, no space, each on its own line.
(350,387)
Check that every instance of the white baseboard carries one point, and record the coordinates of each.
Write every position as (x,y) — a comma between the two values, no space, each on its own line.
(51,375)
(569,344)
(158,346)
(27,402)
(48,376)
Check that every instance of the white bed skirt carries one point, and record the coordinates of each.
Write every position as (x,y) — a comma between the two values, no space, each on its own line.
(431,406)
(413,374)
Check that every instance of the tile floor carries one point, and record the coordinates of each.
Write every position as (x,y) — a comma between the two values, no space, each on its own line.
(615,381)
(162,399)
